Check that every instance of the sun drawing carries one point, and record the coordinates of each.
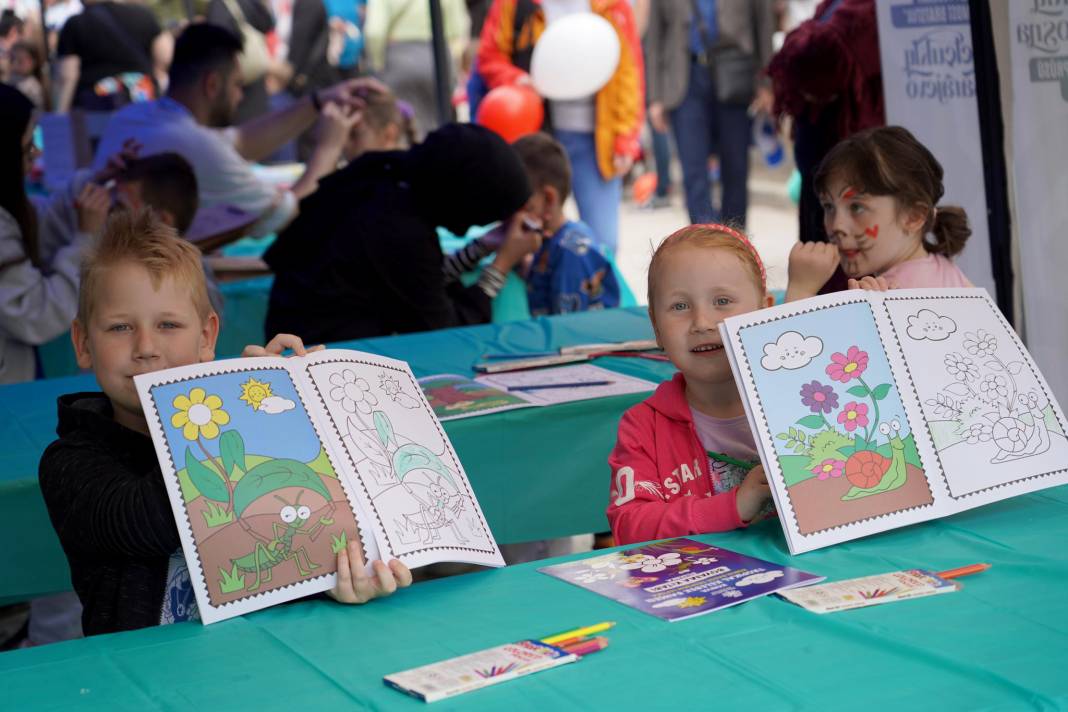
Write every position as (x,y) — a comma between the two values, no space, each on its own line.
(253,392)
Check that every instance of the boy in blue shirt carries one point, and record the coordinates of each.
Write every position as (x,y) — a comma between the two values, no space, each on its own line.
(568,273)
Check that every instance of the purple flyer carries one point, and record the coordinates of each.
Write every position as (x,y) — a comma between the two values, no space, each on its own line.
(679,578)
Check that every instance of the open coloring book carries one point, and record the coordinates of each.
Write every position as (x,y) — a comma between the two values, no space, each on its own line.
(272,465)
(876,410)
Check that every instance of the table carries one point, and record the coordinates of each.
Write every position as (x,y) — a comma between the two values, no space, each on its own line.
(245,305)
(1000,643)
(538,472)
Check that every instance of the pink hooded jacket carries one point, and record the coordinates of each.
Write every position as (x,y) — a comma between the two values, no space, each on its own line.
(660,481)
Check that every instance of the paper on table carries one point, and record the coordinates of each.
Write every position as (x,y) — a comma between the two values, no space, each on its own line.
(618,385)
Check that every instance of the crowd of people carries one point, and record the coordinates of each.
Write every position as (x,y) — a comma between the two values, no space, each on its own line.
(358,251)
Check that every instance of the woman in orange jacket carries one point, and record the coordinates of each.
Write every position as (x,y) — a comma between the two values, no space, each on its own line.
(599,132)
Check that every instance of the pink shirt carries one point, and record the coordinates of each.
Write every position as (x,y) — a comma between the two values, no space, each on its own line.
(727,436)
(930,271)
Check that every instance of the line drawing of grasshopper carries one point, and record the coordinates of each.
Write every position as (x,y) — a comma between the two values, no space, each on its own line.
(268,553)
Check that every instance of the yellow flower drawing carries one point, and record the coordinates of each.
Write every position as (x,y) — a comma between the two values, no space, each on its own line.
(199,414)
(254,392)
(691,602)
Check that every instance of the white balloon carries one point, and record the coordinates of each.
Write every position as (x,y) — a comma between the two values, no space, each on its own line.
(574,57)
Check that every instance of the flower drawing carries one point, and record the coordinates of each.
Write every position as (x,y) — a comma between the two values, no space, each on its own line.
(853,415)
(829,468)
(980,344)
(352,393)
(591,577)
(818,397)
(845,368)
(704,560)
(199,414)
(961,367)
(731,593)
(994,386)
(978,433)
(652,564)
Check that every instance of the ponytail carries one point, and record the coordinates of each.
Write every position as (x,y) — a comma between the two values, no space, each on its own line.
(950,230)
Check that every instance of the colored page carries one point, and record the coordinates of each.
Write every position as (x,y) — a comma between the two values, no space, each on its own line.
(838,440)
(453,397)
(256,495)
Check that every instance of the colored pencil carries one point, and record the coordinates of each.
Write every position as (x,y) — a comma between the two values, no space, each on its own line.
(586,647)
(578,632)
(744,464)
(542,386)
(963,571)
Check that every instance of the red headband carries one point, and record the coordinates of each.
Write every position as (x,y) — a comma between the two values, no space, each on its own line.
(716,227)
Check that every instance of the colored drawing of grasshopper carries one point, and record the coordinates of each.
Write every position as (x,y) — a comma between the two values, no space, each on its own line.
(266,479)
(271,552)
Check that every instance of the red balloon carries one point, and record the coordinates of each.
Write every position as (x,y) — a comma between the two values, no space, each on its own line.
(511,111)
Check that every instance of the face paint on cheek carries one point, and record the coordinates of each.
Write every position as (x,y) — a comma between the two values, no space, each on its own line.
(872,231)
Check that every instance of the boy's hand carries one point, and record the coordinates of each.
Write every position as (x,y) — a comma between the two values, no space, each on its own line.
(92,205)
(875,284)
(522,238)
(278,344)
(353,583)
(811,265)
(752,493)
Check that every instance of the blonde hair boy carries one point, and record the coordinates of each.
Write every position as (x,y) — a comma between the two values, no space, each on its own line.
(143,306)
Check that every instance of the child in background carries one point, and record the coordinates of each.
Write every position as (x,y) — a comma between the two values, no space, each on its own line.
(685,461)
(386,125)
(880,190)
(26,75)
(142,307)
(165,182)
(568,273)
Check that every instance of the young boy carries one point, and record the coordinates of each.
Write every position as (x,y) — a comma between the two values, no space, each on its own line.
(568,273)
(142,307)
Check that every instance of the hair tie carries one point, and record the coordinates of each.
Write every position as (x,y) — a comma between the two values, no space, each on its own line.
(748,245)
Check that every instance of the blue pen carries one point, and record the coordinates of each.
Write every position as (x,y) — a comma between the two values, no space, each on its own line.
(540,386)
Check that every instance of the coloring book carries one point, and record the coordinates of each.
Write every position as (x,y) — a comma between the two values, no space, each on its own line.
(272,465)
(679,578)
(875,410)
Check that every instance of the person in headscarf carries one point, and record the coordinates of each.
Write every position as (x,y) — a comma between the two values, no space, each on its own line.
(364,258)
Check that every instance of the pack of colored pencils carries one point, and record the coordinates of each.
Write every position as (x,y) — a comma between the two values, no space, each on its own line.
(474,671)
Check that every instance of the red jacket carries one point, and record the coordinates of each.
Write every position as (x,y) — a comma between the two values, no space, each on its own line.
(660,481)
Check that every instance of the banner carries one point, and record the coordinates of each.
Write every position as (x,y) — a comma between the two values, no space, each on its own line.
(1038,35)
(929,87)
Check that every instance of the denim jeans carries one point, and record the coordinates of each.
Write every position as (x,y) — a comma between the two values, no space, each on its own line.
(662,157)
(598,199)
(700,123)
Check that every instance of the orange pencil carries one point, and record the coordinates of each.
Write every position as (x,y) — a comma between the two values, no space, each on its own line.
(963,571)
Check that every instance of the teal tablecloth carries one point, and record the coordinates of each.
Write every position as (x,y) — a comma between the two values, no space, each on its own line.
(538,472)
(1001,643)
